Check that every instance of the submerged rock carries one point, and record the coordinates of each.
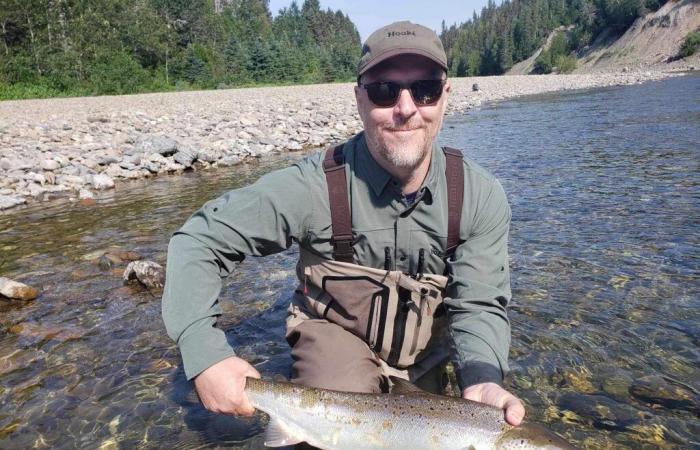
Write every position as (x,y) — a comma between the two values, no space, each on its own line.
(8,201)
(148,273)
(657,390)
(16,290)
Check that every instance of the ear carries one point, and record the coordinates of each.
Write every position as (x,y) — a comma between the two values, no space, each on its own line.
(448,86)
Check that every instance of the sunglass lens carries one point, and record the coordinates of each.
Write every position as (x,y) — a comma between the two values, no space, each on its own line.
(383,93)
(426,92)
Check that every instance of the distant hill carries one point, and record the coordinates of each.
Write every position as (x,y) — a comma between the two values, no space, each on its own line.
(651,41)
(542,36)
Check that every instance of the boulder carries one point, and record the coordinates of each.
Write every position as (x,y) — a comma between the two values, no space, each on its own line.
(185,155)
(16,290)
(148,273)
(157,144)
(209,155)
(659,391)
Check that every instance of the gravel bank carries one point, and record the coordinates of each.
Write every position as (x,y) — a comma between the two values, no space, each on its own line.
(75,147)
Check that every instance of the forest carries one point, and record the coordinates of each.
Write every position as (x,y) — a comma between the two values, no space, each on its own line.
(97,47)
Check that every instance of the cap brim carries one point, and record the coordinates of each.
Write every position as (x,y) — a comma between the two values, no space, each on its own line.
(401,51)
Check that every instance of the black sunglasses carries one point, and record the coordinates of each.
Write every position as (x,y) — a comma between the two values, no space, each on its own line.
(386,93)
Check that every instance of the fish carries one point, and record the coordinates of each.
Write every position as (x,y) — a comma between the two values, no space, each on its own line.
(405,419)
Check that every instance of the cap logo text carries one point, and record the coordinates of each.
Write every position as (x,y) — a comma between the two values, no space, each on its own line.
(401,33)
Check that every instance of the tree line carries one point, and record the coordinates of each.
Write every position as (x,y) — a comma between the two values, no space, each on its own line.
(92,47)
(492,42)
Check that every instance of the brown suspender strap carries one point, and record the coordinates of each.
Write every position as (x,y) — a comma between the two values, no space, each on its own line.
(454,173)
(341,224)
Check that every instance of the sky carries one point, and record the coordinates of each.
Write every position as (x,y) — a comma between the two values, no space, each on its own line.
(368,15)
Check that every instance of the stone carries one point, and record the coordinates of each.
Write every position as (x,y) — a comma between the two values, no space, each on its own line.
(148,273)
(105,160)
(85,194)
(35,190)
(228,161)
(105,263)
(16,290)
(39,178)
(6,164)
(70,171)
(118,255)
(71,180)
(102,181)
(152,167)
(100,119)
(657,390)
(185,155)
(8,201)
(115,171)
(209,155)
(50,165)
(126,165)
(157,144)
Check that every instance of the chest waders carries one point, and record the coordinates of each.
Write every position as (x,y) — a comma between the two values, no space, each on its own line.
(400,317)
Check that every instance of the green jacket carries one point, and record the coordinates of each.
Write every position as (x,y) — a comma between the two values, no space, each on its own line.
(291,206)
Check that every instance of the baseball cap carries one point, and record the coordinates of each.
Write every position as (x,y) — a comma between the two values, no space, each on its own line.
(401,38)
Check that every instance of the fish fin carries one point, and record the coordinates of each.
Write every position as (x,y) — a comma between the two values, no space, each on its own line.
(401,386)
(277,435)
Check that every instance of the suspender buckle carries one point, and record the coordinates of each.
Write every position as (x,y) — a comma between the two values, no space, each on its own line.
(342,248)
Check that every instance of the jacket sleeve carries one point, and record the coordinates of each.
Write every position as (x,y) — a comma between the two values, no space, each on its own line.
(478,291)
(260,219)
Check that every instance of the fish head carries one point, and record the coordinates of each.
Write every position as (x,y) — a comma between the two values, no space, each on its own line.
(530,436)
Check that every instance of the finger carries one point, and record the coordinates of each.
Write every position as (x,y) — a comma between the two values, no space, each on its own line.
(252,372)
(515,411)
(246,408)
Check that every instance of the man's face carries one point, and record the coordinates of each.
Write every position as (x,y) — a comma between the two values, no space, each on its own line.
(401,135)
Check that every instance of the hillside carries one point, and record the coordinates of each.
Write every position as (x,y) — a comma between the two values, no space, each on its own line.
(526,66)
(650,41)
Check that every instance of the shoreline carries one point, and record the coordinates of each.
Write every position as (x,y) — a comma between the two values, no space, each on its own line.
(76,147)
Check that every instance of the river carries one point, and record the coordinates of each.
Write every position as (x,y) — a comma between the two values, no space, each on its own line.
(605,257)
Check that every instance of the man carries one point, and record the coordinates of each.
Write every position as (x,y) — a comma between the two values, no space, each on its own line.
(403,250)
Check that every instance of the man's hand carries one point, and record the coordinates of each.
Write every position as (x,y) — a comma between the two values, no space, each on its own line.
(221,387)
(493,394)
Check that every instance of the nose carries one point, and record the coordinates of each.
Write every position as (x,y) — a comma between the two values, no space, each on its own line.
(405,107)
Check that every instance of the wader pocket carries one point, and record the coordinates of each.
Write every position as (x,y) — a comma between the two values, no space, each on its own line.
(417,323)
(359,304)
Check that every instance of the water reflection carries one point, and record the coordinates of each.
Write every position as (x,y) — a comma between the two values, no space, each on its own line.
(606,335)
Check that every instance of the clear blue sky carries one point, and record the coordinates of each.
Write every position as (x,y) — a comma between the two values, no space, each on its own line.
(368,15)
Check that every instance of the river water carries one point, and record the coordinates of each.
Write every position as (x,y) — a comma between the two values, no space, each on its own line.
(605,255)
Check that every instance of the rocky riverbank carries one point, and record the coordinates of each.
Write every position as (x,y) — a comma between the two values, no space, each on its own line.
(77,147)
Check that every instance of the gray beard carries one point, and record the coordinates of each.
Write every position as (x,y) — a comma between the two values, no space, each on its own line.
(403,157)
